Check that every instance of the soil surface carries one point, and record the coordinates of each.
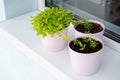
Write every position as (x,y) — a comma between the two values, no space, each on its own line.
(87,49)
(96,28)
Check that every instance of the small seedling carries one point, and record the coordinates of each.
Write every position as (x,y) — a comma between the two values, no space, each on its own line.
(79,43)
(93,43)
(87,25)
(85,41)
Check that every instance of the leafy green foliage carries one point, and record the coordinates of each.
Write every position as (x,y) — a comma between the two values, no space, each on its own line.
(80,44)
(85,41)
(93,43)
(87,25)
(51,21)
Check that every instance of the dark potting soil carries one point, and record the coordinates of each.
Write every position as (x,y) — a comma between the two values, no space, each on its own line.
(87,49)
(96,28)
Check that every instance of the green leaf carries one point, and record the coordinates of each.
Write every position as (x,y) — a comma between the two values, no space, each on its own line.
(88,26)
(76,42)
(66,38)
(83,47)
(93,44)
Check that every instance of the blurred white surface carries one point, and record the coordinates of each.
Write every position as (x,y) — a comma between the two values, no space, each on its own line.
(14,65)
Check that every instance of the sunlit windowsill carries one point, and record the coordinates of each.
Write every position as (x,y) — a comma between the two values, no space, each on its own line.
(19,31)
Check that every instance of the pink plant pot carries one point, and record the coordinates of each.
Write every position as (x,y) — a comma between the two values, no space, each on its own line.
(86,64)
(99,34)
(55,43)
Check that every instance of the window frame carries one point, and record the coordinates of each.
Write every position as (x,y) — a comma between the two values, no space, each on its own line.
(111,31)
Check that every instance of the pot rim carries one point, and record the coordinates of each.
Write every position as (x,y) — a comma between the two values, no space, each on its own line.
(93,21)
(95,38)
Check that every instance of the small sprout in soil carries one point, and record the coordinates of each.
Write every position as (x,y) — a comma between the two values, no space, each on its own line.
(88,26)
(85,41)
(93,43)
(79,43)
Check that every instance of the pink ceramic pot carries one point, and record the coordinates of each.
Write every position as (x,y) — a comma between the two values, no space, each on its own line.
(55,43)
(86,64)
(99,34)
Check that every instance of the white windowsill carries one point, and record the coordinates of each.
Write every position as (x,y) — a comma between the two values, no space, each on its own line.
(19,31)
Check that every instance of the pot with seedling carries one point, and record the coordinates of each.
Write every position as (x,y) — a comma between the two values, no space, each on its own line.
(51,24)
(85,54)
(89,28)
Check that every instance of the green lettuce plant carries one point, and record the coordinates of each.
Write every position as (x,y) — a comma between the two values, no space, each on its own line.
(52,21)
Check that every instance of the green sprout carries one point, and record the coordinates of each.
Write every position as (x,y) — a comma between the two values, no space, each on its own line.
(79,43)
(93,43)
(87,39)
(87,25)
(85,42)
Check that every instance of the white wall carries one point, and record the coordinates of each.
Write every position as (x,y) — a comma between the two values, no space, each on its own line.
(12,8)
(41,4)
(18,7)
(2,10)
